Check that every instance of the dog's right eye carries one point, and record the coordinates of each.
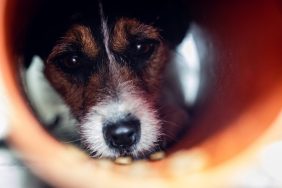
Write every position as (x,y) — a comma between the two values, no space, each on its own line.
(77,65)
(70,61)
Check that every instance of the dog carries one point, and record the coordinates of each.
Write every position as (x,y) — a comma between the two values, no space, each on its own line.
(109,68)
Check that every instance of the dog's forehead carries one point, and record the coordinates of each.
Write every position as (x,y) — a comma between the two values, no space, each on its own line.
(92,37)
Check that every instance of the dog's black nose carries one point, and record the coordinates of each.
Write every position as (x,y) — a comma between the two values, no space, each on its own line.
(123,133)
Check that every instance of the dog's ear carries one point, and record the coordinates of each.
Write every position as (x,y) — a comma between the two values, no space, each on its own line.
(44,26)
(50,22)
(174,21)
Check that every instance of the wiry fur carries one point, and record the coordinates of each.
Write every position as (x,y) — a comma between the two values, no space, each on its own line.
(108,87)
(128,102)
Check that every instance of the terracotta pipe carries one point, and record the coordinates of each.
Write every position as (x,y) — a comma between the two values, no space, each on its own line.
(243,108)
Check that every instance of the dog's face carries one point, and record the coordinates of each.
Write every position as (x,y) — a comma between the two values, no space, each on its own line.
(110,76)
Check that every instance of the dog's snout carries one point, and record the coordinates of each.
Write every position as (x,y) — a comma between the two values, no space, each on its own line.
(123,133)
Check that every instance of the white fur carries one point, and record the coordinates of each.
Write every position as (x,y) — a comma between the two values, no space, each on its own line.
(106,35)
(113,109)
(113,66)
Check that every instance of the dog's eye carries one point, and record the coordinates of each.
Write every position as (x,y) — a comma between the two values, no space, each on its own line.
(76,65)
(143,49)
(71,61)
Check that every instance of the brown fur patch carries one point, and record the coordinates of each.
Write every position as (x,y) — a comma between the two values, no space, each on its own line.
(126,28)
(71,93)
(77,35)
(150,77)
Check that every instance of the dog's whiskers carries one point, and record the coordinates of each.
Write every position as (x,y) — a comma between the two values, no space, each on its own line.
(71,141)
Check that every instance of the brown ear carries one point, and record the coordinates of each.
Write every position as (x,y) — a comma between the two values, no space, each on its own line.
(49,22)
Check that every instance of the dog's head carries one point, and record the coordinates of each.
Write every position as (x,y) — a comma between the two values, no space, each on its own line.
(110,78)
(109,72)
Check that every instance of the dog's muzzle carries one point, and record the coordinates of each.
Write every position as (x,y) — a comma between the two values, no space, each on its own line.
(122,134)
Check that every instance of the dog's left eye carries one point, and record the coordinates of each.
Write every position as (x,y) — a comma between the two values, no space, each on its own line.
(143,49)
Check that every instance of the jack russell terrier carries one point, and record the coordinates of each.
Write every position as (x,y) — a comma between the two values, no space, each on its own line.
(108,64)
